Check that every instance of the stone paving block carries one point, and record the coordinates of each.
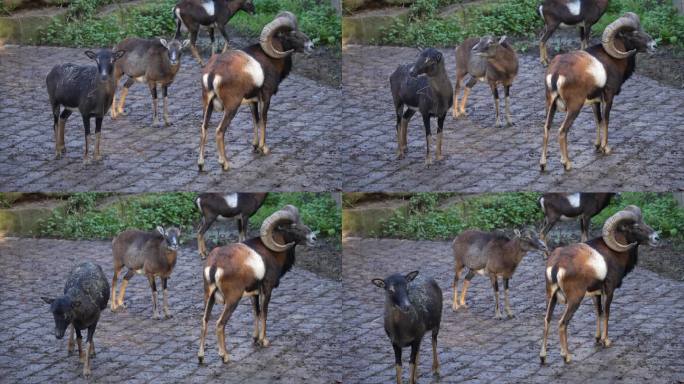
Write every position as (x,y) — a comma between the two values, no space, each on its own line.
(132,347)
(646,131)
(645,324)
(302,127)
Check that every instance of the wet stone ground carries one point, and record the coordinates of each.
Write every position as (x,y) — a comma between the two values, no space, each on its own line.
(133,348)
(646,130)
(141,157)
(646,324)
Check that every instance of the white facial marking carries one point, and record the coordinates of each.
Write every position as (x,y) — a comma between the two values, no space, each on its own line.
(574,7)
(654,238)
(597,71)
(541,11)
(208,7)
(573,199)
(311,237)
(255,262)
(598,264)
(308,46)
(253,68)
(231,199)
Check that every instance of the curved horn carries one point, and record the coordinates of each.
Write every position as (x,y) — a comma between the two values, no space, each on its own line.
(610,225)
(269,224)
(629,19)
(283,20)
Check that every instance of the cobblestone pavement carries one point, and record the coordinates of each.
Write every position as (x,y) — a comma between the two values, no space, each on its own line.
(134,348)
(140,157)
(646,324)
(646,132)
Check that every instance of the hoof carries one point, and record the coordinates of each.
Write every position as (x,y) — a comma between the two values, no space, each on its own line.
(168,123)
(542,167)
(511,315)
(255,148)
(200,359)
(510,124)
(606,150)
(200,168)
(606,342)
(225,166)
(567,166)
(264,150)
(455,307)
(224,358)
(264,343)
(498,316)
(567,359)
(156,316)
(542,359)
(99,158)
(439,158)
(168,316)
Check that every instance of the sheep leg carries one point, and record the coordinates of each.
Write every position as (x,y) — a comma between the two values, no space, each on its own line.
(598,119)
(435,357)
(455,113)
(153,286)
(457,275)
(585,33)
(86,126)
(440,127)
(115,278)
(608,99)
(208,305)
(224,33)
(231,304)
(55,115)
(243,223)
(413,361)
(221,134)
(584,226)
(165,92)
(263,111)
(153,91)
(399,110)
(599,317)
(89,339)
(122,98)
(548,31)
(193,45)
(608,300)
(507,305)
(466,283)
(509,121)
(79,343)
(167,313)
(397,362)
(256,311)
(70,342)
(60,148)
(550,305)
(254,107)
(124,284)
(205,224)
(549,221)
(563,136)
(208,109)
(469,87)
(98,136)
(403,129)
(495,94)
(213,41)
(91,348)
(495,286)
(572,305)
(264,299)
(428,138)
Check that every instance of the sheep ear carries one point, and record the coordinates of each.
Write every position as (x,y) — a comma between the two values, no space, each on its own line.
(75,304)
(47,300)
(118,55)
(411,275)
(164,43)
(380,283)
(185,43)
(160,229)
(91,55)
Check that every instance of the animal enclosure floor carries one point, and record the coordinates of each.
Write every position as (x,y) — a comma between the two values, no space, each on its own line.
(139,157)
(131,347)
(646,324)
(645,132)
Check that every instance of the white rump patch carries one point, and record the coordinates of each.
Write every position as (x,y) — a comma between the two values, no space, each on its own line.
(597,71)
(560,82)
(209,7)
(255,262)
(598,264)
(231,199)
(573,199)
(207,278)
(560,275)
(574,7)
(205,81)
(253,68)
(219,274)
(217,82)
(548,273)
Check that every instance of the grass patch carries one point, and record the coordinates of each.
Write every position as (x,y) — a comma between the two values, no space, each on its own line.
(426,220)
(82,218)
(82,28)
(520,18)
